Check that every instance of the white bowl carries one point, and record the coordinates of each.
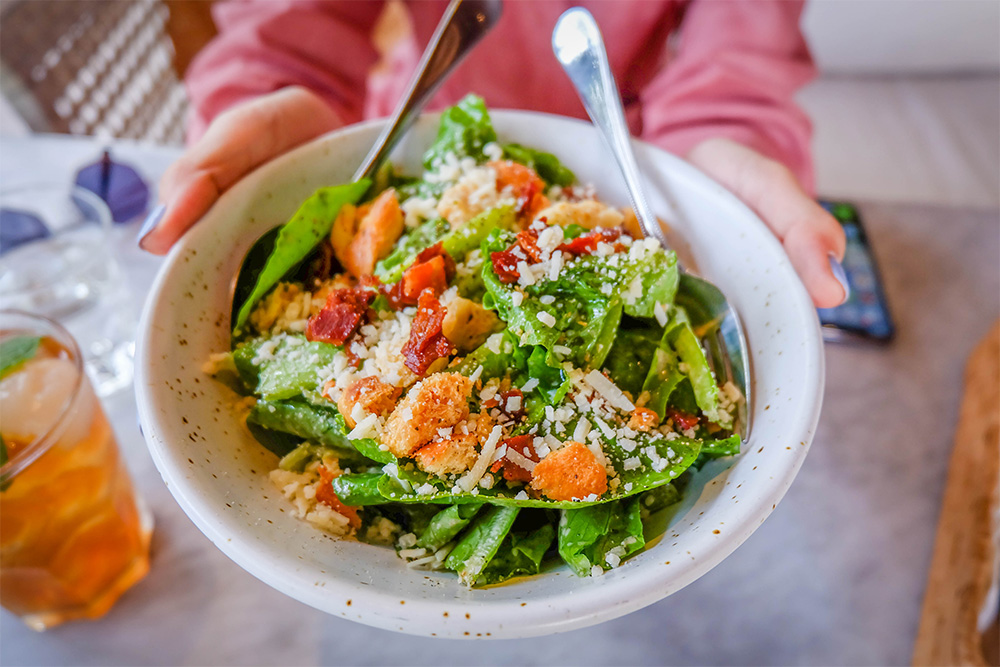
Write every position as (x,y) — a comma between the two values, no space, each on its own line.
(218,472)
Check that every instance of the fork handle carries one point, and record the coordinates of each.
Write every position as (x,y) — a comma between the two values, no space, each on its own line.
(464,23)
(579,48)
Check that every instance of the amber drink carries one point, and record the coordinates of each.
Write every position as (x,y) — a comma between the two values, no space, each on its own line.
(73,534)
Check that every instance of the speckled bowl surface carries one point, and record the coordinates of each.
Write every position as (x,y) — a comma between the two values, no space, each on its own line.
(218,472)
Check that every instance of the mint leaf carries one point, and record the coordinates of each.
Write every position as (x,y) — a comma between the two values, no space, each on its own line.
(14,352)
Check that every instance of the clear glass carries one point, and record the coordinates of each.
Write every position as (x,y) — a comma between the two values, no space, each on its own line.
(74,535)
(69,274)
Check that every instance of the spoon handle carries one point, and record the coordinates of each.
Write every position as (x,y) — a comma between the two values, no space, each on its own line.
(579,48)
(464,23)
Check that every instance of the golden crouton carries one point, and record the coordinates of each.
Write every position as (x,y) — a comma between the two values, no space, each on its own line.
(372,394)
(345,226)
(571,472)
(643,419)
(377,232)
(467,324)
(450,456)
(455,206)
(587,213)
(439,401)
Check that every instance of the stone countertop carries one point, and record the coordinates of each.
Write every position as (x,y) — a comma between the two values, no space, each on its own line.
(835,575)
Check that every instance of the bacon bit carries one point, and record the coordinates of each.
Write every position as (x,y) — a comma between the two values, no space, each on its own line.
(682,419)
(524,184)
(345,310)
(426,275)
(326,495)
(585,244)
(505,266)
(523,445)
(528,241)
(426,342)
(437,250)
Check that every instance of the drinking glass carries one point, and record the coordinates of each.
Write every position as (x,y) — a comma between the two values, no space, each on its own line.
(56,260)
(74,535)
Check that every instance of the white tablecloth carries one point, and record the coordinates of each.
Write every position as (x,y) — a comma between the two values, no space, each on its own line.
(835,576)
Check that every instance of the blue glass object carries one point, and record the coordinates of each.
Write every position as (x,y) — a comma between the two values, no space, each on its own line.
(119,185)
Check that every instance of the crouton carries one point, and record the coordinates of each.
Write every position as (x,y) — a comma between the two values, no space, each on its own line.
(643,419)
(467,324)
(373,395)
(377,233)
(571,472)
(589,214)
(439,401)
(345,226)
(449,456)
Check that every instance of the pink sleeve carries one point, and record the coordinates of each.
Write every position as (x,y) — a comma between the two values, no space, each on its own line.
(734,76)
(265,45)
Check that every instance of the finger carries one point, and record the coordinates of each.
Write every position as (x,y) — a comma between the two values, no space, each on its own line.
(236,143)
(816,266)
(809,234)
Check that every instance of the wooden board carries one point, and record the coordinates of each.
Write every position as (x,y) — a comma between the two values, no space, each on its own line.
(964,558)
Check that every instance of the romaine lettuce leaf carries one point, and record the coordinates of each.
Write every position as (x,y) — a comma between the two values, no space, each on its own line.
(545,164)
(463,131)
(480,542)
(519,555)
(310,224)
(630,357)
(287,370)
(446,524)
(590,536)
(642,462)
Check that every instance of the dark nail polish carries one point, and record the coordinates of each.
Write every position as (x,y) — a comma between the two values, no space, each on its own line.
(838,272)
(150,223)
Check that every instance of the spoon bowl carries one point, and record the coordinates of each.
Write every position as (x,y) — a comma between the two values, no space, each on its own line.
(579,48)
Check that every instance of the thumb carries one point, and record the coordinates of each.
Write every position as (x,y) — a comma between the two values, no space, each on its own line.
(237,142)
(813,240)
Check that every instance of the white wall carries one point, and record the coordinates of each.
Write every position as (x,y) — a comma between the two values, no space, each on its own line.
(904,36)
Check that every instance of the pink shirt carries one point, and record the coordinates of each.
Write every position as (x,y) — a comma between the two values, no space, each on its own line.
(732,74)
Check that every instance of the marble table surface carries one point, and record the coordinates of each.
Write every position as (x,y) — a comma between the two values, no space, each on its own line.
(835,576)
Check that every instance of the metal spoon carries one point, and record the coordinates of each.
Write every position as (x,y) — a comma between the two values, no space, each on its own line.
(464,23)
(579,48)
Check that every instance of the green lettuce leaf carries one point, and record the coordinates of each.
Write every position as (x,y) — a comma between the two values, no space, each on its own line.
(545,164)
(359,488)
(480,542)
(463,131)
(629,360)
(644,462)
(446,524)
(590,535)
(297,238)
(519,555)
(288,371)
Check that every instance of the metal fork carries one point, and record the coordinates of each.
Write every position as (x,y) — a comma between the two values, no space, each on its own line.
(579,48)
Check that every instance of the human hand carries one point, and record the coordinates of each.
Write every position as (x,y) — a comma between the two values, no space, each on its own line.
(813,240)
(237,142)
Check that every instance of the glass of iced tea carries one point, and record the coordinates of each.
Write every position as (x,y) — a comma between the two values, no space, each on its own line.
(74,535)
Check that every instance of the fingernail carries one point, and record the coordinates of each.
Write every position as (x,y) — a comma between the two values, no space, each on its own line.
(838,272)
(150,223)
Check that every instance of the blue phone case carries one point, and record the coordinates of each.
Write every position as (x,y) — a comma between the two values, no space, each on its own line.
(865,315)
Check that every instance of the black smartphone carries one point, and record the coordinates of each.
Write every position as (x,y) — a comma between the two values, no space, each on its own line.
(865,315)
